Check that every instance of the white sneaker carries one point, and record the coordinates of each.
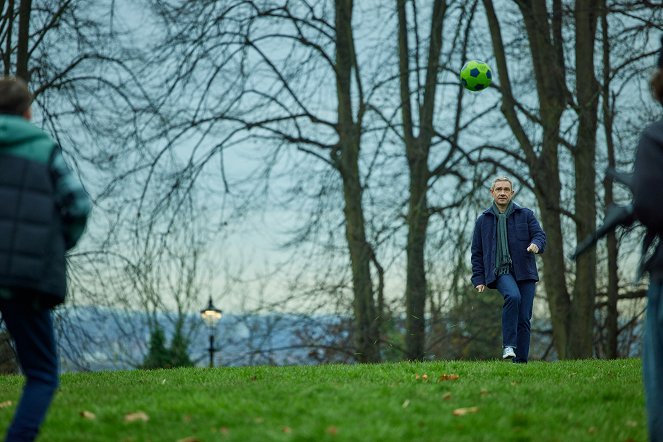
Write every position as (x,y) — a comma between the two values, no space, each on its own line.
(508,353)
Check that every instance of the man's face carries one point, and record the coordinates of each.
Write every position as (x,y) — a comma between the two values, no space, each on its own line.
(502,193)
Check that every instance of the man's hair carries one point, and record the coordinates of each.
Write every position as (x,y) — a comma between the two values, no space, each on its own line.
(15,97)
(501,178)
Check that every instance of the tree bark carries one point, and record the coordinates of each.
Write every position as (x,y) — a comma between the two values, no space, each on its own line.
(22,49)
(9,25)
(548,64)
(581,327)
(612,319)
(346,158)
(417,150)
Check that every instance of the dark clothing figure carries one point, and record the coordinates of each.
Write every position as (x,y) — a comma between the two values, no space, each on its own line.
(647,186)
(522,230)
(506,238)
(43,214)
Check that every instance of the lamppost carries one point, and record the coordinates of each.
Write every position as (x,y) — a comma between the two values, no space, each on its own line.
(211,315)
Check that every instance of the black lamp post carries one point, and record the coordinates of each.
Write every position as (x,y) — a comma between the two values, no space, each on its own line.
(211,315)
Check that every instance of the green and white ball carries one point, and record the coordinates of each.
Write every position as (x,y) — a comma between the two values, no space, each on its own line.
(476,75)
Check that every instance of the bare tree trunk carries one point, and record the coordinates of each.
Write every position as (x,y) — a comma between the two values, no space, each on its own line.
(548,62)
(581,330)
(8,24)
(417,150)
(22,50)
(347,161)
(612,328)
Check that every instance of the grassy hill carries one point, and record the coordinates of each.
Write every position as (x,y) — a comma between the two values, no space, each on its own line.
(435,401)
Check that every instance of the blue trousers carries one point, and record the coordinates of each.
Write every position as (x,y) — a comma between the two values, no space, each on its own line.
(31,329)
(516,314)
(652,361)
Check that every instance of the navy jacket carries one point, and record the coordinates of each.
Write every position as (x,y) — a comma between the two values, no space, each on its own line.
(522,230)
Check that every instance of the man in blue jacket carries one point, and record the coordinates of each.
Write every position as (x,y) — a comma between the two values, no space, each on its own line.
(506,238)
(43,212)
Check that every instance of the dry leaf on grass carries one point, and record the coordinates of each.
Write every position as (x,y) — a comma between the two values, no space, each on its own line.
(406,403)
(88,415)
(6,404)
(446,396)
(464,411)
(189,439)
(332,430)
(287,430)
(137,416)
(448,377)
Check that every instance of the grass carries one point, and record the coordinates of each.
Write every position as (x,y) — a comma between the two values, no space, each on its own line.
(589,400)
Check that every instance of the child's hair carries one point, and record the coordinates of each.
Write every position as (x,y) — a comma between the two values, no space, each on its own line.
(15,97)
(656,82)
(656,85)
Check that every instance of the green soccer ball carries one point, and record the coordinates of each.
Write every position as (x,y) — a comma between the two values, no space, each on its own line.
(476,75)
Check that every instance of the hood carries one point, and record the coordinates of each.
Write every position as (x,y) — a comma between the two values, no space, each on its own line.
(17,130)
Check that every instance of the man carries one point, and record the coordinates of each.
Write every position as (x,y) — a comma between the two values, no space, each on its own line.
(506,238)
(43,213)
(647,185)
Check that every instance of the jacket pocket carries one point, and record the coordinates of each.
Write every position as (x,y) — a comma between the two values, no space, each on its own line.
(522,232)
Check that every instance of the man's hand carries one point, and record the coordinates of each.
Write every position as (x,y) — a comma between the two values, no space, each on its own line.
(533,248)
(480,288)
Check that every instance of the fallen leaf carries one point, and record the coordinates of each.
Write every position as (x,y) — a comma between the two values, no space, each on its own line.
(448,377)
(406,403)
(484,392)
(592,430)
(88,415)
(424,377)
(332,430)
(287,430)
(6,404)
(137,416)
(224,430)
(446,396)
(464,411)
(416,376)
(631,424)
(186,418)
(189,439)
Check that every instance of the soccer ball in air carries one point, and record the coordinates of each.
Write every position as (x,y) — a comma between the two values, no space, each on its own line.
(476,75)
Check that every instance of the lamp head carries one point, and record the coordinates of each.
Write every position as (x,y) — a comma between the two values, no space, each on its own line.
(211,315)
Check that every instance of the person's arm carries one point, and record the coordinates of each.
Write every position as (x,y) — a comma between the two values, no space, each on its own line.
(71,198)
(538,236)
(478,273)
(647,178)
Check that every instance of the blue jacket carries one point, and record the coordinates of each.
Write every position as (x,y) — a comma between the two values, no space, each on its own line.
(522,230)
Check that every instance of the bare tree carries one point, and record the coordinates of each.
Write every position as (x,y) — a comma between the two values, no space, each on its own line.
(551,40)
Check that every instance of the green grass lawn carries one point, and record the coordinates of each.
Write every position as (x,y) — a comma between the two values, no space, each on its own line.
(560,401)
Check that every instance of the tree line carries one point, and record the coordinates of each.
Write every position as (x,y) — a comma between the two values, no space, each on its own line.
(353,118)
